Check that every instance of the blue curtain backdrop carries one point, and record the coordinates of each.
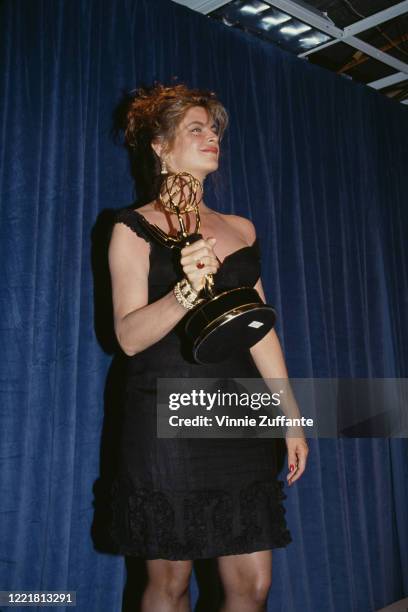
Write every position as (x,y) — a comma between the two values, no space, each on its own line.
(317,162)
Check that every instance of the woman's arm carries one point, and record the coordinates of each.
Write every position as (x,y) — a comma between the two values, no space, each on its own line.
(269,360)
(138,324)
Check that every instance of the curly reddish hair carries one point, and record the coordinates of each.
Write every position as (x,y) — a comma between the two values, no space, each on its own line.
(156,111)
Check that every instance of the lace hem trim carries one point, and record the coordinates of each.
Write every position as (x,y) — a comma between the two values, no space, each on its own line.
(200,523)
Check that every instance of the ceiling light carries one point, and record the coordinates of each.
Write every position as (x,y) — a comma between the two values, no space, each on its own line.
(295,30)
(317,38)
(271,24)
(269,21)
(254,8)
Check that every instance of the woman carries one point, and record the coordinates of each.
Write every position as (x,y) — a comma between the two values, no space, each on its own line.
(176,500)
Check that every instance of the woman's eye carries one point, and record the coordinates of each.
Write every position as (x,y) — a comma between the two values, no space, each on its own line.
(197,128)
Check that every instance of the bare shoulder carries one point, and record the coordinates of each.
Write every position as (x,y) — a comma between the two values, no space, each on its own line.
(126,245)
(242,226)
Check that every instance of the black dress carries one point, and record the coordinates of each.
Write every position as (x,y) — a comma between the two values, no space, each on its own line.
(183,498)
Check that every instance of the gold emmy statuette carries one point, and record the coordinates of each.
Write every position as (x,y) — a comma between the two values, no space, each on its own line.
(220,323)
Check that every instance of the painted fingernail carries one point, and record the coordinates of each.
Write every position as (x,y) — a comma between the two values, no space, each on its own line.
(291,467)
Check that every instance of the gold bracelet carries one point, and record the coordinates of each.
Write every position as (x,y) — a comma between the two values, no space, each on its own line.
(185,294)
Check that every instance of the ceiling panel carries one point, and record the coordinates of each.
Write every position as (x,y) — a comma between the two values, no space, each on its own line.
(364,57)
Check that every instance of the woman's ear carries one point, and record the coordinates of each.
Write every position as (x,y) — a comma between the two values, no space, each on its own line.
(157,147)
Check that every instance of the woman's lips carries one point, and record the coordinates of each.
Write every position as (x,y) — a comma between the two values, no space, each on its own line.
(210,150)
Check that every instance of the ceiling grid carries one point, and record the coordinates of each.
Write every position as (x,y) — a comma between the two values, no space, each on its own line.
(366,40)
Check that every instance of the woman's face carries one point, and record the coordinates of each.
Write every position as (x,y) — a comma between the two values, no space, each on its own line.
(196,145)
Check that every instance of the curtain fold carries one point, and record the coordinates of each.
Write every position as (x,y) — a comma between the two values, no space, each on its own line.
(316,161)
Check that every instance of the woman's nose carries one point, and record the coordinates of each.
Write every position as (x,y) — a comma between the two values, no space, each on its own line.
(212,137)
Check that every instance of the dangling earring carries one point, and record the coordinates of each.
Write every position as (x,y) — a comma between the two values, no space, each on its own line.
(163,167)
